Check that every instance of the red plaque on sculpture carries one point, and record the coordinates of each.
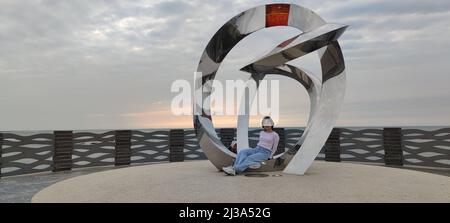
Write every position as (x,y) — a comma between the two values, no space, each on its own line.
(277,15)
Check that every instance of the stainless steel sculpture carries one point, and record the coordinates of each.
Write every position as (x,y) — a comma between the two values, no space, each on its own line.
(326,92)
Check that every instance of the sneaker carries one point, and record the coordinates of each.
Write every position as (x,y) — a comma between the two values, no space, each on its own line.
(229,170)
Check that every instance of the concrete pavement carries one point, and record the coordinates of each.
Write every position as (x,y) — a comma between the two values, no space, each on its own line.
(199,181)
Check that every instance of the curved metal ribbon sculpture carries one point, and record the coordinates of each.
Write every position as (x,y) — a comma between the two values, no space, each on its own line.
(326,92)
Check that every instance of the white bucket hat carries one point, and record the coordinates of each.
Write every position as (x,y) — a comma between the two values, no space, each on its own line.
(267,121)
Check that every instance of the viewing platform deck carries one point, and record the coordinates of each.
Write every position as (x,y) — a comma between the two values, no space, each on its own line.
(200,181)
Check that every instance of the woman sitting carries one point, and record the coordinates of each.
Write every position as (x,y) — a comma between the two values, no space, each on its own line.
(265,149)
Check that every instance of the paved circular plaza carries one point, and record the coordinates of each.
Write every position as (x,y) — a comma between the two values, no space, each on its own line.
(200,181)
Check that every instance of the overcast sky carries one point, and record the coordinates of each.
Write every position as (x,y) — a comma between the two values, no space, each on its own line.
(84,64)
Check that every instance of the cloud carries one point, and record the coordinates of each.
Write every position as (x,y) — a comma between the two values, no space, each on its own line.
(64,60)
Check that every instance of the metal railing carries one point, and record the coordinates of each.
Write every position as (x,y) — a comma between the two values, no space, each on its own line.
(67,150)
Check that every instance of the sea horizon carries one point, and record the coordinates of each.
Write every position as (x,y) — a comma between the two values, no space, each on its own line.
(423,127)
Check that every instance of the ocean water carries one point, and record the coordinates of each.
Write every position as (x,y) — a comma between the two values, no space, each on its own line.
(98,131)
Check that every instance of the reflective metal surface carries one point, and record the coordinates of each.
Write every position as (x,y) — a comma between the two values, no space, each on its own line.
(326,91)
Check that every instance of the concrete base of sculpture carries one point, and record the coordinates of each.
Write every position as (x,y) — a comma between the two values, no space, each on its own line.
(199,181)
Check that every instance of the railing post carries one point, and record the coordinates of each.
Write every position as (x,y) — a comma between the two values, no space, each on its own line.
(63,148)
(122,148)
(1,150)
(227,136)
(392,142)
(176,145)
(333,146)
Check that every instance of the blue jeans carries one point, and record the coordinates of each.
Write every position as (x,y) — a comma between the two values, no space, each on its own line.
(250,156)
